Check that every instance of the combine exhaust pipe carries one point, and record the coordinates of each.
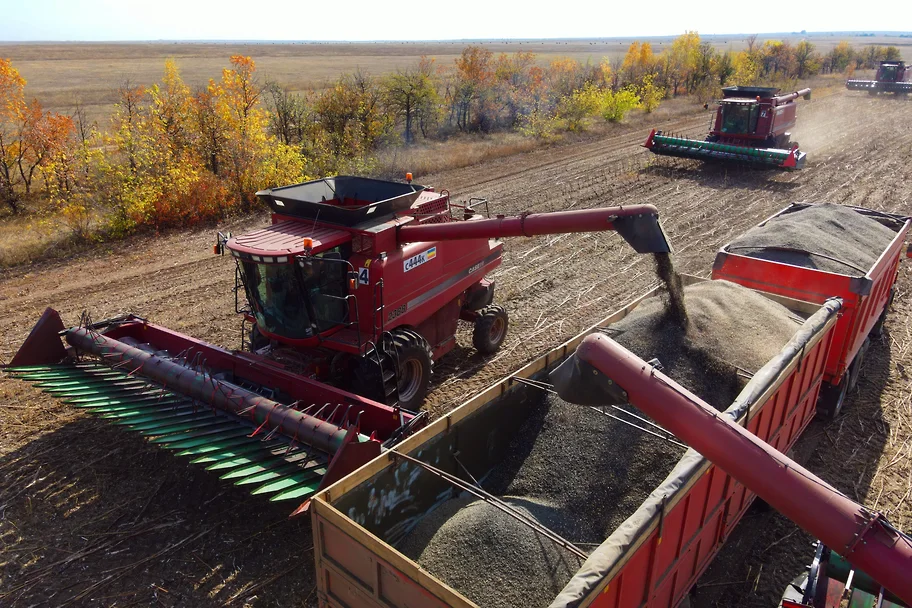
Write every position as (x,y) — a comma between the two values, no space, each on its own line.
(602,371)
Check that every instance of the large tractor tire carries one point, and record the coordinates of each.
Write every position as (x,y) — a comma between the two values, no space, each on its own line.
(490,329)
(399,375)
(413,358)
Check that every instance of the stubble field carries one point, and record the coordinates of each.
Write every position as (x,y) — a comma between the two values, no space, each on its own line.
(90,516)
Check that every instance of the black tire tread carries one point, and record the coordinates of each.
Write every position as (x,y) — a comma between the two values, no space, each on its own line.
(486,317)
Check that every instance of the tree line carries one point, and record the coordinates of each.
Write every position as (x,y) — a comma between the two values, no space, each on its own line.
(173,155)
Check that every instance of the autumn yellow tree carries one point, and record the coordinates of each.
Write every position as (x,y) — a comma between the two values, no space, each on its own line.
(638,62)
(410,94)
(680,61)
(474,75)
(29,137)
(235,128)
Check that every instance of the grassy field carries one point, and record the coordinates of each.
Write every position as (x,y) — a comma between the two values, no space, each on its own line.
(63,74)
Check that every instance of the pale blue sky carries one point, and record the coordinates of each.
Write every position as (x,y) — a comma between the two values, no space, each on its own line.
(431,19)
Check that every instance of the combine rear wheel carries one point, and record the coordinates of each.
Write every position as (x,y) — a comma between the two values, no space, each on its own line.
(490,329)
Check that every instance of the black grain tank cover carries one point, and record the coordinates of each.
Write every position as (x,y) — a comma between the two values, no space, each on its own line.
(761,92)
(343,200)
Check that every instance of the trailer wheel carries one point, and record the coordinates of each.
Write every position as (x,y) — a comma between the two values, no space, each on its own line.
(877,330)
(490,329)
(855,369)
(414,358)
(832,398)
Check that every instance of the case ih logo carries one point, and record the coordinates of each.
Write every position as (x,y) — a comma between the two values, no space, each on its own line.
(417,260)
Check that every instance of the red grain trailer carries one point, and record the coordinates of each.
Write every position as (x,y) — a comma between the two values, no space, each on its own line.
(865,295)
(652,559)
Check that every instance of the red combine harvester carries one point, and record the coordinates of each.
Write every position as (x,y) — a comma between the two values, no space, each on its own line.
(891,77)
(356,287)
(751,126)
(364,281)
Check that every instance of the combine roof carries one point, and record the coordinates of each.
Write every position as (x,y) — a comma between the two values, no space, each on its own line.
(284,240)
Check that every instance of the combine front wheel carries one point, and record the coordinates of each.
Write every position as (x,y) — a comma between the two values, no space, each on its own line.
(413,355)
(490,329)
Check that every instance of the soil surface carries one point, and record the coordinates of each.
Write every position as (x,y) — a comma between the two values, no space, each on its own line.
(93,516)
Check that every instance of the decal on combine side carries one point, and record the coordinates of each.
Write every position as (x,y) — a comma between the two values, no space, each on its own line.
(475,267)
(417,260)
(363,276)
(397,312)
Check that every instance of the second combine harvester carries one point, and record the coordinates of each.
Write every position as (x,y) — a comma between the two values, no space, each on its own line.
(750,126)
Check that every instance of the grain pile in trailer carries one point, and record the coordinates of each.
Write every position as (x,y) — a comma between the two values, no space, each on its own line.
(581,473)
(827,237)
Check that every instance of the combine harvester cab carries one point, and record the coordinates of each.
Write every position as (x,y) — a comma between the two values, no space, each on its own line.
(751,126)
(891,77)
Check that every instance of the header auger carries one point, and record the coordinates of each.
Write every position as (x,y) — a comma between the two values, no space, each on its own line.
(751,126)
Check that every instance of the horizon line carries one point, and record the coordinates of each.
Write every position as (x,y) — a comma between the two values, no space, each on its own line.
(857,33)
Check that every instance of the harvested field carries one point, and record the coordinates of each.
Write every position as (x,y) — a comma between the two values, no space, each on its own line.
(93,516)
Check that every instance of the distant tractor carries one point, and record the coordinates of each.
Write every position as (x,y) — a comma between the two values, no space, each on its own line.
(751,126)
(891,77)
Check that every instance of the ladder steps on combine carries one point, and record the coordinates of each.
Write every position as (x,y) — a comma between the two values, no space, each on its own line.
(222,443)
